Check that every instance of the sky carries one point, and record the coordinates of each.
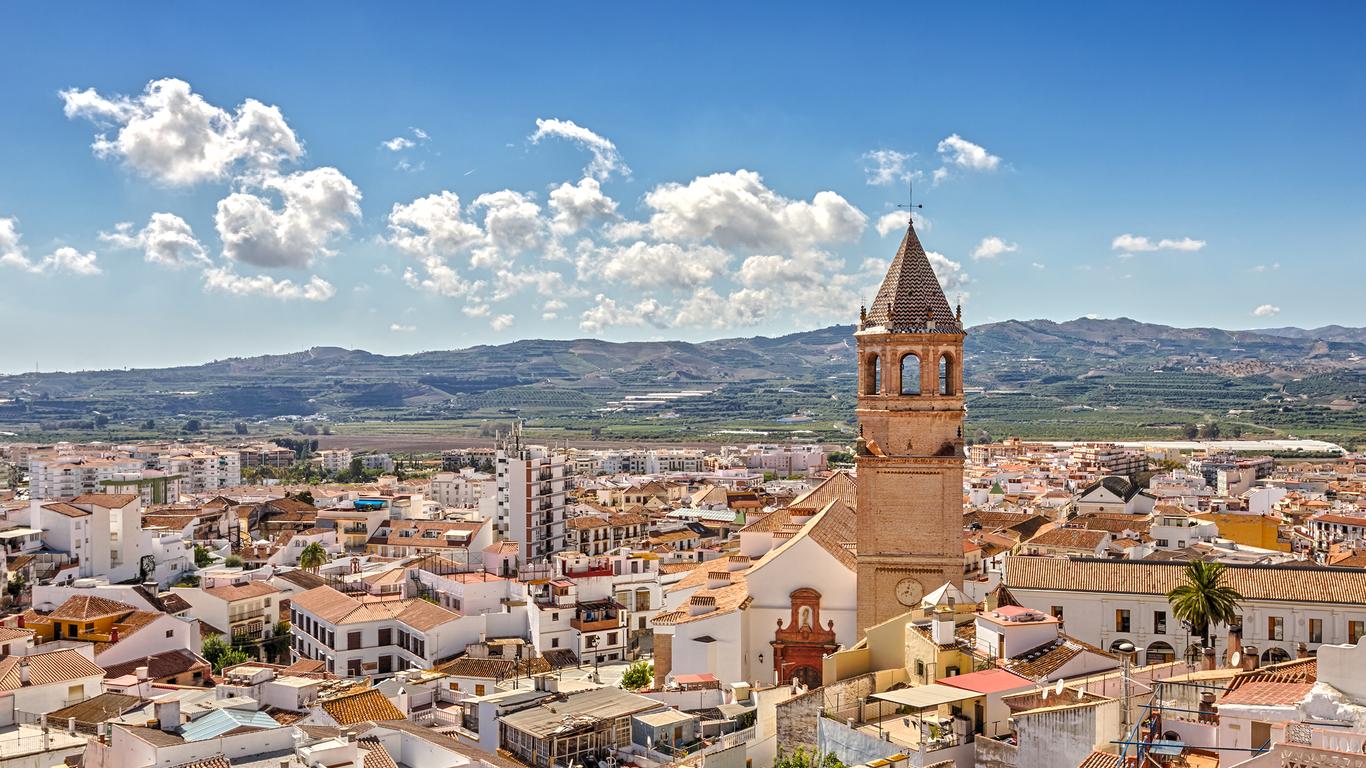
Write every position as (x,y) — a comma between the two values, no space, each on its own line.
(188,182)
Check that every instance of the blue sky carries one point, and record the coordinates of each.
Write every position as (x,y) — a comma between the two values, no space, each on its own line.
(181,182)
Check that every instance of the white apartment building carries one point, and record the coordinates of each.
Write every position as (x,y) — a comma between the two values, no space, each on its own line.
(381,461)
(463,489)
(784,460)
(362,636)
(245,612)
(55,476)
(1106,602)
(531,486)
(334,460)
(204,470)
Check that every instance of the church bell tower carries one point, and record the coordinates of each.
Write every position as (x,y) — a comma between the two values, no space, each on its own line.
(910,447)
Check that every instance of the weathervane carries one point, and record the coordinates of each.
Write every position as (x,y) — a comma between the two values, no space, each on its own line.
(910,205)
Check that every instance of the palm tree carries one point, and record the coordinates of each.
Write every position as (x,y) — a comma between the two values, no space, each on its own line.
(313,556)
(1204,600)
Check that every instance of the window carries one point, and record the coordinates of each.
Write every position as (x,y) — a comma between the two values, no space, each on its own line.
(352,641)
(1162,543)
(1355,629)
(170,633)
(910,375)
(554,642)
(478,689)
(1316,630)
(872,375)
(1275,628)
(920,668)
(555,616)
(1121,619)
(946,382)
(386,636)
(611,638)
(386,664)
(1056,612)
(1160,622)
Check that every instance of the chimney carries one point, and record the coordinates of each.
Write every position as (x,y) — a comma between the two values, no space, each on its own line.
(1235,638)
(168,714)
(142,673)
(1301,651)
(1250,659)
(21,621)
(737,563)
(700,604)
(114,635)
(941,631)
(1209,713)
(718,579)
(23,671)
(1208,661)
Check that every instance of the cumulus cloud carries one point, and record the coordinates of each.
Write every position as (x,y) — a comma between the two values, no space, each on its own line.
(501,322)
(959,152)
(1130,243)
(1267,310)
(576,205)
(224,280)
(167,240)
(606,159)
(738,210)
(1036,265)
(432,226)
(606,313)
(991,247)
(895,221)
(951,276)
(551,309)
(316,206)
(14,254)
(886,166)
(646,265)
(173,135)
(400,328)
(1267,267)
(512,224)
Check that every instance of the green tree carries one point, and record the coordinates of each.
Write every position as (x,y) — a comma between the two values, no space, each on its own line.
(193,425)
(304,496)
(1210,431)
(840,459)
(101,420)
(639,675)
(313,557)
(277,647)
(1190,431)
(231,657)
(15,587)
(1204,600)
(202,558)
(149,425)
(239,428)
(212,649)
(233,561)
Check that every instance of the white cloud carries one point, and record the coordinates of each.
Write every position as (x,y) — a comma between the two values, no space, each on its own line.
(886,166)
(958,152)
(551,309)
(645,265)
(951,276)
(399,328)
(476,310)
(14,254)
(167,240)
(575,205)
(398,144)
(224,280)
(1267,310)
(316,206)
(1036,265)
(173,135)
(895,221)
(1130,243)
(420,134)
(432,226)
(606,160)
(991,247)
(512,224)
(1267,268)
(606,313)
(736,209)
(501,322)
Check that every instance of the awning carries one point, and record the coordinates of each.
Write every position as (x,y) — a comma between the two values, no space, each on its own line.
(926,696)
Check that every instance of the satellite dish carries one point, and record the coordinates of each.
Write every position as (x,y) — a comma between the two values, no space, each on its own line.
(1057,689)
(1235,659)
(1045,695)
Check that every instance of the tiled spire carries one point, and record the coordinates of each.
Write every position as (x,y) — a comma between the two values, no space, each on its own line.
(910,296)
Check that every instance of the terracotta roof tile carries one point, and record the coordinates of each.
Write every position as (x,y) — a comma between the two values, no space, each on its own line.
(46,668)
(368,704)
(911,295)
(106,500)
(80,607)
(246,591)
(62,508)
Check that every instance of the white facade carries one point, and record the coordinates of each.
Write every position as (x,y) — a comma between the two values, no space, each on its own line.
(532,483)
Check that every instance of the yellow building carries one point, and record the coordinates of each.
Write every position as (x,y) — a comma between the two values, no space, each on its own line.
(89,618)
(1262,531)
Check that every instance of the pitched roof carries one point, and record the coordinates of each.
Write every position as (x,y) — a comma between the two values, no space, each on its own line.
(79,607)
(1281,684)
(368,704)
(1312,584)
(1122,487)
(493,669)
(376,756)
(911,295)
(97,709)
(62,508)
(47,668)
(246,591)
(1041,662)
(1071,538)
(159,665)
(337,608)
(106,500)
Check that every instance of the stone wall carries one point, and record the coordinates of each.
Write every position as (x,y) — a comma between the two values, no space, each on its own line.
(664,657)
(796,719)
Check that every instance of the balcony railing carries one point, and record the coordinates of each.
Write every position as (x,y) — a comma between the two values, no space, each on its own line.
(595,625)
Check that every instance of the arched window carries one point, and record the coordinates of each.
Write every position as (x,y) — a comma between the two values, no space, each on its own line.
(946,375)
(910,374)
(1274,655)
(1160,653)
(872,375)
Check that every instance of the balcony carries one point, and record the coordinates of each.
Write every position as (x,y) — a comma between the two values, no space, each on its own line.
(599,625)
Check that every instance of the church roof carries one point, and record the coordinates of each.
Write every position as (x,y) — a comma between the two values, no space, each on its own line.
(910,294)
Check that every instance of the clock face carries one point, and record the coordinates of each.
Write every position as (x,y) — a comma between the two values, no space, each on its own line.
(909,592)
